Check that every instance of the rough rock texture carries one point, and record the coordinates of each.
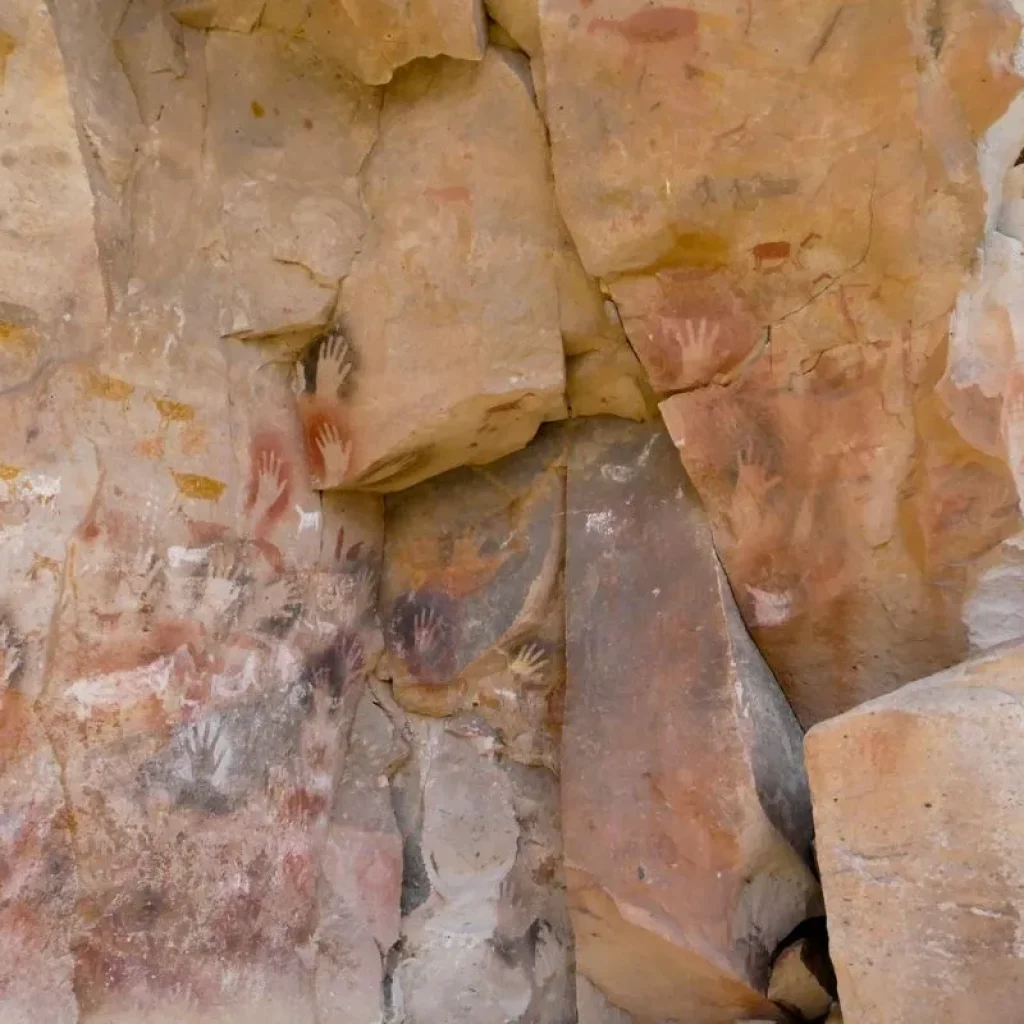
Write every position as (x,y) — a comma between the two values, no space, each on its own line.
(485,932)
(917,805)
(453,289)
(685,864)
(371,38)
(784,203)
(795,985)
(262,261)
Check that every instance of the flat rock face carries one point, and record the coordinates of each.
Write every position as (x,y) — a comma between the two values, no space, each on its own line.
(756,186)
(49,263)
(453,288)
(287,133)
(690,849)
(917,804)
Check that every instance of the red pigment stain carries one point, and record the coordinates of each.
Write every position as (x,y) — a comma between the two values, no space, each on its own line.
(271,554)
(770,252)
(313,421)
(202,533)
(653,25)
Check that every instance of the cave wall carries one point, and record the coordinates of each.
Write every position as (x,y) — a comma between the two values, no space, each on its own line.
(311,320)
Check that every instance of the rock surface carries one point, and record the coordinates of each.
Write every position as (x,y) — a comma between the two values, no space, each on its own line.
(485,932)
(761,288)
(795,985)
(453,288)
(917,805)
(261,261)
(371,38)
(685,866)
(471,598)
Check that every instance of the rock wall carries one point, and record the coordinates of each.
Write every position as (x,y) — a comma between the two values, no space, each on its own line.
(368,653)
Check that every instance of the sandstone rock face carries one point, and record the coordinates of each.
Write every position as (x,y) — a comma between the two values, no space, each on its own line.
(185,678)
(49,264)
(291,295)
(453,289)
(685,865)
(754,186)
(917,806)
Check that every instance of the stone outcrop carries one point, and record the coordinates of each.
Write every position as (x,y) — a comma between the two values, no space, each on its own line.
(754,186)
(917,807)
(453,289)
(685,864)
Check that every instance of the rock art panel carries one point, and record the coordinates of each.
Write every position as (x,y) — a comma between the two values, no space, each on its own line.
(453,288)
(372,38)
(686,866)
(761,286)
(179,682)
(942,845)
(471,598)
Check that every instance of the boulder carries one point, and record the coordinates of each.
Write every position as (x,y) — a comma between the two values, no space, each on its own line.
(917,800)
(798,983)
(686,865)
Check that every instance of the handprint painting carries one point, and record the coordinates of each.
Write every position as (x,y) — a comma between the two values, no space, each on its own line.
(202,664)
(321,379)
(687,327)
(471,597)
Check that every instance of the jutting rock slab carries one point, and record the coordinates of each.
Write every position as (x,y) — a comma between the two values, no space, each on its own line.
(917,800)
(685,805)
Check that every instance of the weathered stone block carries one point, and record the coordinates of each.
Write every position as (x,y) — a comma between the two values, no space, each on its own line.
(917,799)
(686,812)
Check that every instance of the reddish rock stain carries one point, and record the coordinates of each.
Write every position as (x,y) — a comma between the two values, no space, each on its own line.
(770,253)
(653,25)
